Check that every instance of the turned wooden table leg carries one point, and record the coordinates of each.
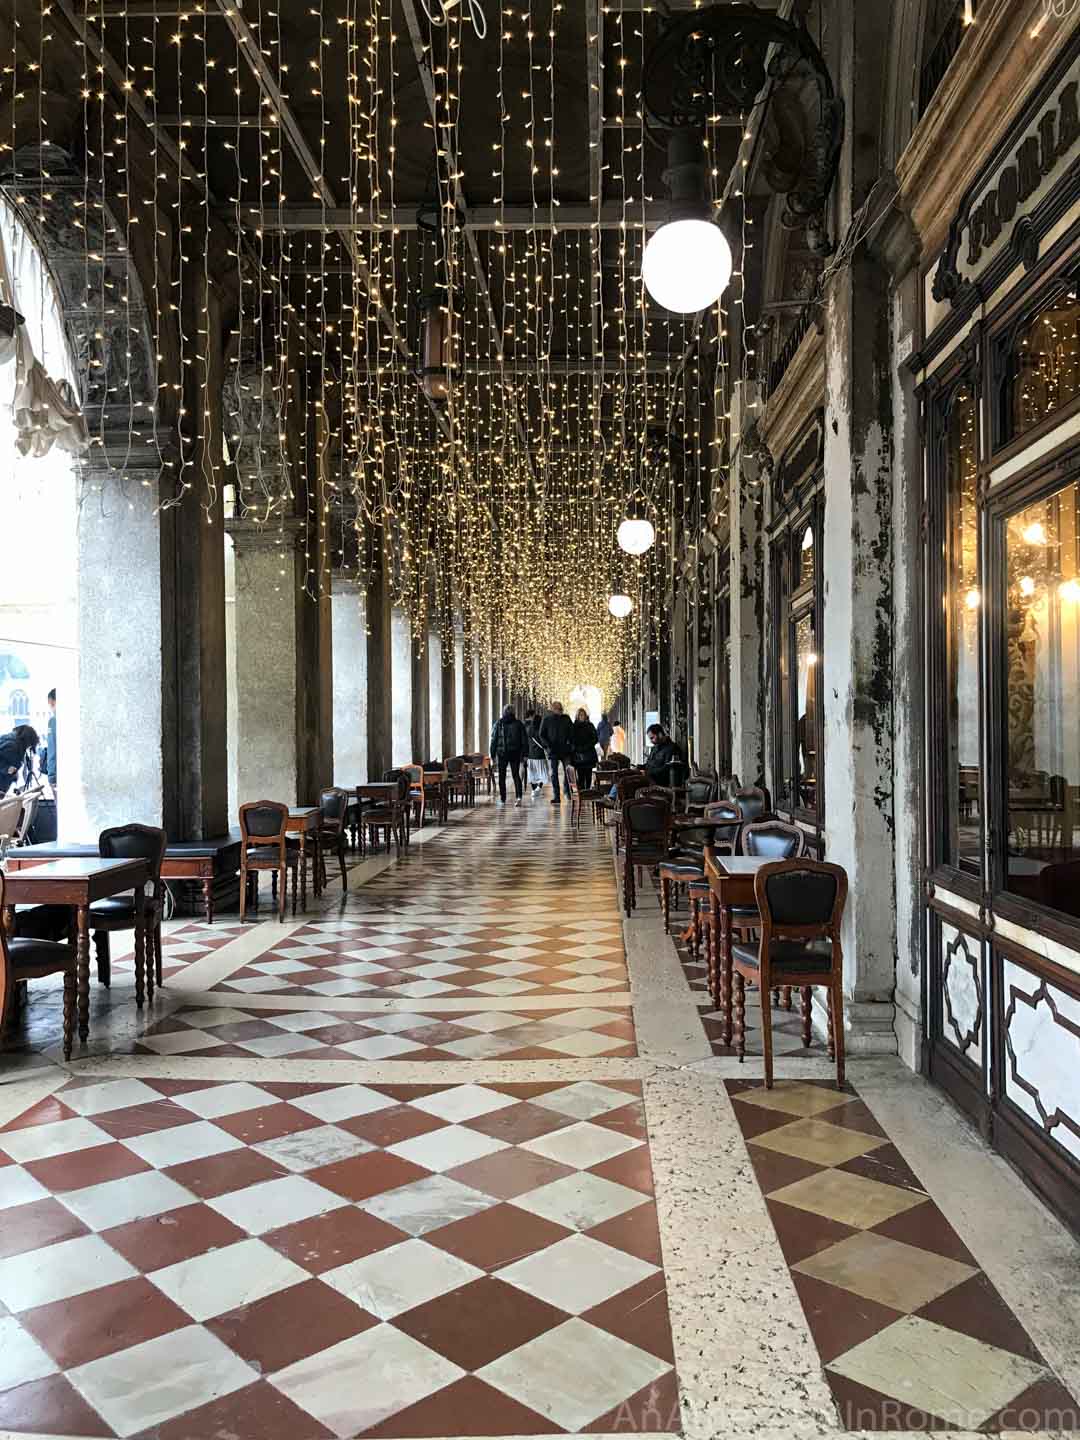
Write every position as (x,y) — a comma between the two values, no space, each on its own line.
(208,900)
(144,977)
(303,871)
(82,962)
(725,971)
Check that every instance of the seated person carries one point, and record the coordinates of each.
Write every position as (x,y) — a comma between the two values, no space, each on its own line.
(662,755)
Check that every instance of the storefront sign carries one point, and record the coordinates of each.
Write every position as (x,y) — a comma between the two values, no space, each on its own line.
(997,211)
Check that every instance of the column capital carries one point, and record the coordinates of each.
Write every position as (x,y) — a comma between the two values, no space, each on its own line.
(342,583)
(254,535)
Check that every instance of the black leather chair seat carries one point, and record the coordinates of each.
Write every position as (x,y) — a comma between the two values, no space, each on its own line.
(32,954)
(680,869)
(42,922)
(117,910)
(745,914)
(791,957)
(270,852)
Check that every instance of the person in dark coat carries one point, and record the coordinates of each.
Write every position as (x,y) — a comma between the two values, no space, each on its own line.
(16,748)
(604,732)
(585,740)
(557,738)
(663,754)
(509,746)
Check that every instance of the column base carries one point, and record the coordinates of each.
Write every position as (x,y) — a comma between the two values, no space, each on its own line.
(909,1033)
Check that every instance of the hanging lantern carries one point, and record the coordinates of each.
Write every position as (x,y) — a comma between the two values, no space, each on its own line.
(435,346)
(620,606)
(687,262)
(635,536)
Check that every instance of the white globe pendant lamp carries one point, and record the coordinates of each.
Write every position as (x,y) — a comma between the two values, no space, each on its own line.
(687,262)
(635,535)
(620,606)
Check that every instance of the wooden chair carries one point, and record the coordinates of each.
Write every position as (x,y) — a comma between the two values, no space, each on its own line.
(625,789)
(388,819)
(23,959)
(457,780)
(573,789)
(26,817)
(266,845)
(11,810)
(753,803)
(700,791)
(436,793)
(417,794)
(646,826)
(131,842)
(333,818)
(779,841)
(800,904)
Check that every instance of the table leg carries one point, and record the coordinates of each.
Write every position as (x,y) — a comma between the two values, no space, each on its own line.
(143,979)
(725,970)
(318,865)
(303,871)
(208,899)
(82,964)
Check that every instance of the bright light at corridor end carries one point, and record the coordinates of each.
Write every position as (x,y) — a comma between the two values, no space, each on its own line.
(620,605)
(687,265)
(635,537)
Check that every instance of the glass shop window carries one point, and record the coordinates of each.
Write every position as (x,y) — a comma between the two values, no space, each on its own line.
(963,770)
(1045,368)
(1041,614)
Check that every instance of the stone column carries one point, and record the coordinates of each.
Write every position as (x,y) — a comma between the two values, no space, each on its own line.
(857,556)
(747,587)
(401,686)
(461,676)
(434,748)
(449,698)
(679,722)
(468,709)
(112,747)
(380,710)
(421,697)
(350,682)
(705,663)
(484,722)
(269,577)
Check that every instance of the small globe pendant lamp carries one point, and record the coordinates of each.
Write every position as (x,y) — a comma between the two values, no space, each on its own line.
(620,606)
(687,262)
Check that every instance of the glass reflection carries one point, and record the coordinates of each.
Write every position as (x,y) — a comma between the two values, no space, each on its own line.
(1046,363)
(964,796)
(1042,652)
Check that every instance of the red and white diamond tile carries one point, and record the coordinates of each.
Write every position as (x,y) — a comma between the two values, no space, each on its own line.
(184,1258)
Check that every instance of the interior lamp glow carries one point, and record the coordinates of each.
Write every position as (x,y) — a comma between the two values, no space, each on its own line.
(620,606)
(687,262)
(635,536)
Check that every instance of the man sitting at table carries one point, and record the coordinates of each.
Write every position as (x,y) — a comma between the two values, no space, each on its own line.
(662,755)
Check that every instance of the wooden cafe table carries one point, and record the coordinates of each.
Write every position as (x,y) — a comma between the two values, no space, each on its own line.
(303,821)
(381,792)
(77,884)
(731,886)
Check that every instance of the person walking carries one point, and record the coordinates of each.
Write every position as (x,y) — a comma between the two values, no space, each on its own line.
(509,744)
(585,742)
(16,751)
(557,738)
(537,766)
(604,732)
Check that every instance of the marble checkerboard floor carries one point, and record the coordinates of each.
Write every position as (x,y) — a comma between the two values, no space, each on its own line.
(455,1153)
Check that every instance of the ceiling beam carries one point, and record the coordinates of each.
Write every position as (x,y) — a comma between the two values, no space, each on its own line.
(608,216)
(550,369)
